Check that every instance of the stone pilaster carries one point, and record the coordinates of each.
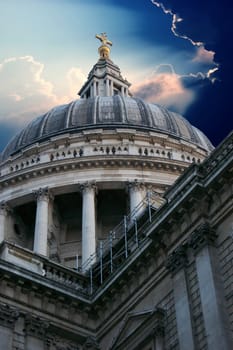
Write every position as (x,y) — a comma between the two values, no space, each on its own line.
(88,221)
(176,264)
(8,319)
(43,196)
(4,211)
(216,320)
(159,329)
(35,332)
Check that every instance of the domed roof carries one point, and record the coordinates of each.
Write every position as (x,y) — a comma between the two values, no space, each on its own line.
(106,112)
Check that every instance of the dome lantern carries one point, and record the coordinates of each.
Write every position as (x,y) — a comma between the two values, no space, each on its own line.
(105,78)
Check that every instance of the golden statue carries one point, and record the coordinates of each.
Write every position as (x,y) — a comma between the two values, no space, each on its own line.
(104,49)
(104,39)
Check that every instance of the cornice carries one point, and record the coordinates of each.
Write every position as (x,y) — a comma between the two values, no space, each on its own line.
(107,162)
(86,135)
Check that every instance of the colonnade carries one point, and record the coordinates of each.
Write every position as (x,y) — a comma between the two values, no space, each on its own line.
(44,197)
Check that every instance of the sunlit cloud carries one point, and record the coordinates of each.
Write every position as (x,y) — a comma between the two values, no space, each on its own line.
(165,88)
(204,56)
(25,93)
(76,79)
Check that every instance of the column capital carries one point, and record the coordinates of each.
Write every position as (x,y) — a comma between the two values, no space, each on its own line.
(8,315)
(135,185)
(43,194)
(54,341)
(88,187)
(177,260)
(35,326)
(202,236)
(5,209)
(91,344)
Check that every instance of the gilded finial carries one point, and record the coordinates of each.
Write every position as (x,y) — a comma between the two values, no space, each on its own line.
(104,49)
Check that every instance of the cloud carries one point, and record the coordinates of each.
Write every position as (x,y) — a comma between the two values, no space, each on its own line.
(204,56)
(175,20)
(165,88)
(75,78)
(25,93)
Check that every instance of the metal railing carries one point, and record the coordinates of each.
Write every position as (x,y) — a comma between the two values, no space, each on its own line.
(121,241)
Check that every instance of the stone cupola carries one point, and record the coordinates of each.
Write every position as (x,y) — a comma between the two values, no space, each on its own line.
(105,78)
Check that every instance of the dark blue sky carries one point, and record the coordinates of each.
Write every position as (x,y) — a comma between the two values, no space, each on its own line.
(211,22)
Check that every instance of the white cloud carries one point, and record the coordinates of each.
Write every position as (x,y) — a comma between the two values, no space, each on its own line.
(166,89)
(75,78)
(25,93)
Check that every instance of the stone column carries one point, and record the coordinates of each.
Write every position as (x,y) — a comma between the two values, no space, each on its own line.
(4,211)
(42,215)
(215,316)
(111,87)
(91,90)
(94,88)
(136,197)
(176,263)
(88,221)
(107,87)
(123,91)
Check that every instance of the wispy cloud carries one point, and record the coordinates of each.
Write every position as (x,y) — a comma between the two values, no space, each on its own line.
(203,55)
(175,20)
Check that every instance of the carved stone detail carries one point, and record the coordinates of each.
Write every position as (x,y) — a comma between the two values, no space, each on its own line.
(135,185)
(202,236)
(91,344)
(177,259)
(5,209)
(35,326)
(159,327)
(43,194)
(8,315)
(55,342)
(88,187)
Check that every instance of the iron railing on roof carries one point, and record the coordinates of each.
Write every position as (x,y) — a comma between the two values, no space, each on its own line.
(121,241)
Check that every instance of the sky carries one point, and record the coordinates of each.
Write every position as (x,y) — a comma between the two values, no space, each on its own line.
(176,53)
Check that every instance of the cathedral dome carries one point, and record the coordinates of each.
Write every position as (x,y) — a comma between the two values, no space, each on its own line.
(72,174)
(104,112)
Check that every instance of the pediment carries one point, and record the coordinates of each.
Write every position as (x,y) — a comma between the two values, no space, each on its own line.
(138,325)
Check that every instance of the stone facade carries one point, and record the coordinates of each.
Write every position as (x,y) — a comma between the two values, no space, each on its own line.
(172,292)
